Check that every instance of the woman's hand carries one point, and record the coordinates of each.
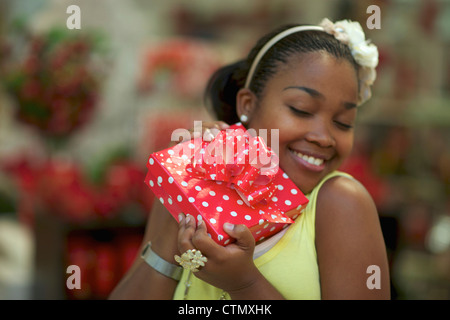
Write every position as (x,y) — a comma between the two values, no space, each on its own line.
(230,268)
(209,130)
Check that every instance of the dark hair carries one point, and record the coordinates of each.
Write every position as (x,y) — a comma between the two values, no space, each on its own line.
(224,84)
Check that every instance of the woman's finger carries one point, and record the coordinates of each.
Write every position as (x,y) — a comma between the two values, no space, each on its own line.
(210,129)
(220,125)
(208,135)
(186,230)
(244,238)
(203,242)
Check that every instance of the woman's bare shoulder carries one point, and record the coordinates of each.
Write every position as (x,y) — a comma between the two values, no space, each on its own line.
(343,193)
(349,240)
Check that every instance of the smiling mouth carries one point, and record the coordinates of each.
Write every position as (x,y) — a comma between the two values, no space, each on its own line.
(309,159)
(311,162)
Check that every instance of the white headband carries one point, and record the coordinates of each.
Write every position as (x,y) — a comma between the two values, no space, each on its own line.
(346,31)
(270,43)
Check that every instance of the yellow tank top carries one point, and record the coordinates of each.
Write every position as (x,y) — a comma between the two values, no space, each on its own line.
(290,265)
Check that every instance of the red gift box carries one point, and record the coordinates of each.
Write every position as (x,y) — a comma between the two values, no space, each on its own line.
(226,181)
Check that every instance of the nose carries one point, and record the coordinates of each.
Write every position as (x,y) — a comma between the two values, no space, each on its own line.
(320,134)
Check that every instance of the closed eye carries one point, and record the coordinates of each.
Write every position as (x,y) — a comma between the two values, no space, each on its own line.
(341,125)
(299,112)
(344,125)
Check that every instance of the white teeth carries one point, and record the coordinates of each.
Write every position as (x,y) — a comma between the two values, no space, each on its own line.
(311,160)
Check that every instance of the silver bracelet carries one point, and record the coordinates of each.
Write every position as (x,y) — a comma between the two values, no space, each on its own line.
(159,264)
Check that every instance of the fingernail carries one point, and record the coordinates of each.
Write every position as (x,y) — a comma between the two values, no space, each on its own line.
(188,218)
(208,136)
(228,226)
(200,221)
(180,217)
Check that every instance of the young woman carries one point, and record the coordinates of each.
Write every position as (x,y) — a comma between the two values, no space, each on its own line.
(308,82)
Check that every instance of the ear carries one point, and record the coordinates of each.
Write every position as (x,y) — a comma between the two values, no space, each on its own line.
(246,103)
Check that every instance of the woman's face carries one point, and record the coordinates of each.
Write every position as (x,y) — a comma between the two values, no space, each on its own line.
(312,101)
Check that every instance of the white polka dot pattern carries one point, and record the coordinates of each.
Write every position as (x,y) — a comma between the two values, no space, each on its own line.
(171,179)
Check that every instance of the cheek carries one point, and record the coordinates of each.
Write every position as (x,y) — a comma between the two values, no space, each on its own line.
(344,145)
(265,116)
(265,119)
(279,130)
(273,115)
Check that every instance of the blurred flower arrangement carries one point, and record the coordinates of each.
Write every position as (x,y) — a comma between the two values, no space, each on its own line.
(55,87)
(182,66)
(61,188)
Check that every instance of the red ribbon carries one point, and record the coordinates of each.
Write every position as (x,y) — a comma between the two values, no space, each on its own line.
(242,161)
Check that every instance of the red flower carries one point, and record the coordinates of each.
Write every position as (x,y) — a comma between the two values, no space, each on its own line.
(56,87)
(181,64)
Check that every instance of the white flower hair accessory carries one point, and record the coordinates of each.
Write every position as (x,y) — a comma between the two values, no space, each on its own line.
(364,52)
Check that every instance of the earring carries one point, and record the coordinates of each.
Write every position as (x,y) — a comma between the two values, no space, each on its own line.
(243,118)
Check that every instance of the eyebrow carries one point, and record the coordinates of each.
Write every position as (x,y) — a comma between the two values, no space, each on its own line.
(312,92)
(316,94)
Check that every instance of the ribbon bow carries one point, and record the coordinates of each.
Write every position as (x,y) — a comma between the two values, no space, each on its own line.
(242,161)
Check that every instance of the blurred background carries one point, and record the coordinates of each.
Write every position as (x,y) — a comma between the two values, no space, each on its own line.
(81,110)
